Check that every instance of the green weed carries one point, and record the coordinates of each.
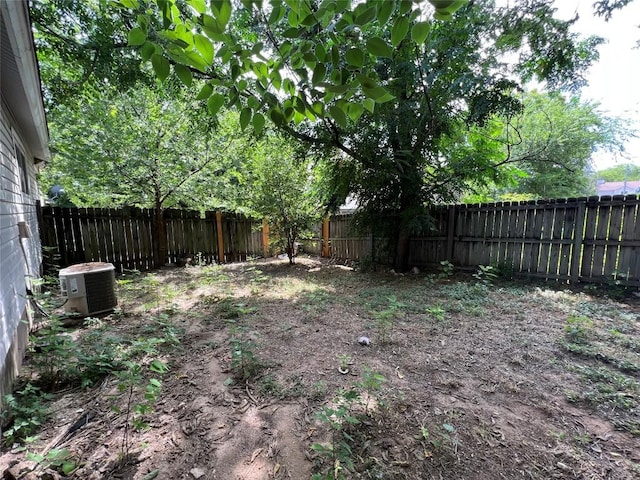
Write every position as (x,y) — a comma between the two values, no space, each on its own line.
(343,416)
(58,459)
(437,312)
(384,319)
(27,411)
(132,384)
(446,269)
(578,329)
(486,274)
(231,308)
(244,362)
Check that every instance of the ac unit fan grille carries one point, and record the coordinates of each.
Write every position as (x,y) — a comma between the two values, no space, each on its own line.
(100,292)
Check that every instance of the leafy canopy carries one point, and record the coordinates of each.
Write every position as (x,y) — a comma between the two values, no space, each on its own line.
(147,147)
(551,144)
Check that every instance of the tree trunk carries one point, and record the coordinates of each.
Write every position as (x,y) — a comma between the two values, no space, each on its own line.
(401,263)
(291,245)
(410,207)
(160,250)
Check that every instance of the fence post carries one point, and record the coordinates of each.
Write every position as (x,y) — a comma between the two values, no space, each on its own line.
(451,232)
(578,237)
(220,239)
(326,250)
(265,238)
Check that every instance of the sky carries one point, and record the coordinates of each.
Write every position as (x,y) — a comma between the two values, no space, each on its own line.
(614,82)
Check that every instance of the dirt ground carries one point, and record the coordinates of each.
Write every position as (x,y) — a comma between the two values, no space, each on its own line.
(483,379)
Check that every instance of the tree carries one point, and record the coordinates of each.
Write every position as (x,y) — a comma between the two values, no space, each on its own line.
(551,143)
(278,184)
(135,148)
(382,81)
(619,173)
(83,44)
(605,8)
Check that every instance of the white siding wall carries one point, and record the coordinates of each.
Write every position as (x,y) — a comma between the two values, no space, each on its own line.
(19,259)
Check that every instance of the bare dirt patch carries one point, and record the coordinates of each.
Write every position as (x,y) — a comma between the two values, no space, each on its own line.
(481,381)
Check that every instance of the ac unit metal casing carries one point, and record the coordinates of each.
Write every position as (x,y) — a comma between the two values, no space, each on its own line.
(89,288)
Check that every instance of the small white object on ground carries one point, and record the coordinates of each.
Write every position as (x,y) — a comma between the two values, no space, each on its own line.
(197,472)
(364,341)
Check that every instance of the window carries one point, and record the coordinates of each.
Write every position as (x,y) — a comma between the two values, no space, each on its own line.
(22,165)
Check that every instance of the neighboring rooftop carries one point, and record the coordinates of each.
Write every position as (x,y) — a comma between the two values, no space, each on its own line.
(630,187)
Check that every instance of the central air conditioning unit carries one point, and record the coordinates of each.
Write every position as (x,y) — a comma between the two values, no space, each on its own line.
(89,288)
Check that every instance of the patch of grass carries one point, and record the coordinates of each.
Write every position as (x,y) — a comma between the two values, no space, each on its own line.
(604,356)
(291,387)
(314,301)
(613,394)
(467,298)
(436,312)
(578,329)
(211,275)
(231,308)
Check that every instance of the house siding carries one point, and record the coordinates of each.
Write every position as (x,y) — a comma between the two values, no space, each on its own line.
(20,259)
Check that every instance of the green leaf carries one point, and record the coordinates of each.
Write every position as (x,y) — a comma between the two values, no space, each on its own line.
(369,104)
(405,6)
(136,36)
(223,8)
(199,6)
(366,16)
(258,123)
(68,467)
(245,117)
(338,115)
(184,74)
(205,92)
(318,107)
(420,31)
(158,366)
(160,66)
(385,9)
(291,33)
(448,6)
(446,17)
(378,47)
(399,31)
(277,13)
(319,73)
(147,50)
(355,57)
(378,94)
(321,53)
(204,46)
(212,27)
(365,81)
(214,103)
(354,111)
(293,18)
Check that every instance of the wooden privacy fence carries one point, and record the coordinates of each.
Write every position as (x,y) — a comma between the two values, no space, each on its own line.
(127,237)
(595,239)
